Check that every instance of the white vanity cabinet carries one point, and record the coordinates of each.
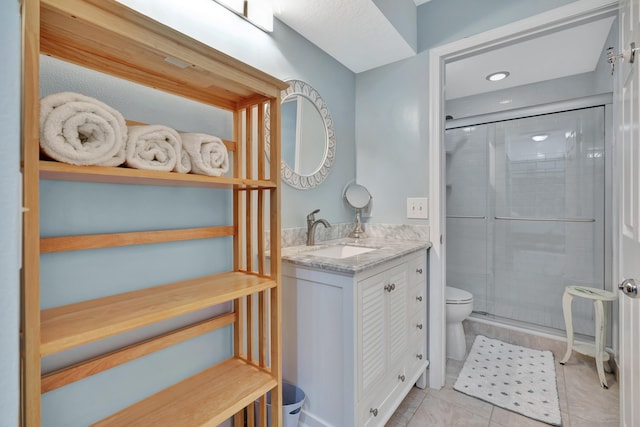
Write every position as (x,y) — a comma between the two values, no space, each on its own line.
(355,343)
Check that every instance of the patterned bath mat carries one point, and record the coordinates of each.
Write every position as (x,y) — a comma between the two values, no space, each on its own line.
(516,378)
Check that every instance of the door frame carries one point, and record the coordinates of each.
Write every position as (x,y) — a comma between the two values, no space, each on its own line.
(576,13)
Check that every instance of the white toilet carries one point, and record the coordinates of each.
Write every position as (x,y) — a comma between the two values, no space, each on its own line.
(459,306)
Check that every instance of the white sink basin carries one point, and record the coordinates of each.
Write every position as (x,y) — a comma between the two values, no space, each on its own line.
(340,251)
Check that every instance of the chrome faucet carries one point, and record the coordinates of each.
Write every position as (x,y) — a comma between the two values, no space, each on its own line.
(312,223)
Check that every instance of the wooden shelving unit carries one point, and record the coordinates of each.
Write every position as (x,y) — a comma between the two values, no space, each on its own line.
(108,37)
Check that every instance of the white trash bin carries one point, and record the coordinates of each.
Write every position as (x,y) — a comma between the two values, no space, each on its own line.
(292,400)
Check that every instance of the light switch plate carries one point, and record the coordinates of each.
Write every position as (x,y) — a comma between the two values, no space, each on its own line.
(418,207)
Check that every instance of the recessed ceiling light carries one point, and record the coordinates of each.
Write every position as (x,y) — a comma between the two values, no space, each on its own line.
(541,137)
(500,75)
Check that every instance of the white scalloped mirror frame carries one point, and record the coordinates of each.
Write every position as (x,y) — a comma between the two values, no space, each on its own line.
(294,179)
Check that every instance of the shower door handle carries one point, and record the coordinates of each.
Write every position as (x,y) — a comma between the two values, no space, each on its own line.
(629,287)
(524,218)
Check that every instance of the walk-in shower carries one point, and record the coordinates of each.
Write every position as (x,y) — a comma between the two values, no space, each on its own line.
(526,210)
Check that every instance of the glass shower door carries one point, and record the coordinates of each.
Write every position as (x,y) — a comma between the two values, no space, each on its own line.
(548,223)
(466,189)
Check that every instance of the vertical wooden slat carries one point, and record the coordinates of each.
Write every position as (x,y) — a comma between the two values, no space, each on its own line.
(262,329)
(238,163)
(238,418)
(249,148)
(249,152)
(30,295)
(262,310)
(262,412)
(238,335)
(250,328)
(251,421)
(261,233)
(261,175)
(248,143)
(262,142)
(275,294)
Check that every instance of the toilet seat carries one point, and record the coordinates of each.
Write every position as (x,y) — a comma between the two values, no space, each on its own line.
(457,296)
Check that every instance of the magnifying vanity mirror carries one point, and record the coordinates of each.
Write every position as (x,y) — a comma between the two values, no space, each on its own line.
(358,197)
(307,136)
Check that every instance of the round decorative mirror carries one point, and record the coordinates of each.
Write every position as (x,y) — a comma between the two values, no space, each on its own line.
(307,137)
(358,197)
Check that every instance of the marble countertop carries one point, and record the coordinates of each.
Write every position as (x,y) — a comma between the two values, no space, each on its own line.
(387,249)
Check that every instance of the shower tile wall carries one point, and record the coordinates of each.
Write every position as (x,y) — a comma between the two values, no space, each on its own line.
(533,192)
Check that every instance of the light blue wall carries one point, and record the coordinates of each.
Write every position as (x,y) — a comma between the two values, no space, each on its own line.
(385,164)
(9,208)
(391,137)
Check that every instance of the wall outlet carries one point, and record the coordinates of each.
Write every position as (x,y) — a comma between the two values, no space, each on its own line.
(418,207)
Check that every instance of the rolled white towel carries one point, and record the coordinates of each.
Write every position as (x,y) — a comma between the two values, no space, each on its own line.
(208,153)
(81,130)
(155,147)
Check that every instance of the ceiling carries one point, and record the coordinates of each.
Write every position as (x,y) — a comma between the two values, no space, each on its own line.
(354,32)
(564,53)
(358,35)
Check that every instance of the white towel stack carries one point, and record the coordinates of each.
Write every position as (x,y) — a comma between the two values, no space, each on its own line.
(155,147)
(208,153)
(81,130)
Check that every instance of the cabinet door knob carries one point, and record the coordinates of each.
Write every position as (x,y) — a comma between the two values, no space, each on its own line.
(419,326)
(419,356)
(419,298)
(419,270)
(374,412)
(401,378)
(390,287)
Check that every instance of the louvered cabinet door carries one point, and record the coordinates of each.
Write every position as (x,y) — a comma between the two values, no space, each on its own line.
(373,332)
(398,317)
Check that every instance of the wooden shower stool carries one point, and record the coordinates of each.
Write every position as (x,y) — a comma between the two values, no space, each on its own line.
(597,349)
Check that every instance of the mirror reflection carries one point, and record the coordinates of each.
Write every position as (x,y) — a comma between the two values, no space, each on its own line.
(307,136)
(358,197)
(304,139)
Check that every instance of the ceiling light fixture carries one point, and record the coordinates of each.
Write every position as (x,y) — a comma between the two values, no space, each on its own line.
(541,137)
(500,75)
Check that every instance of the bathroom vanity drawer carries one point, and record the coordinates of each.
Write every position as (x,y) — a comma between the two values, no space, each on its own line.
(378,405)
(418,356)
(418,269)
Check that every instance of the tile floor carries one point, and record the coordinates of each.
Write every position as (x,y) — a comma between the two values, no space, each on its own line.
(583,403)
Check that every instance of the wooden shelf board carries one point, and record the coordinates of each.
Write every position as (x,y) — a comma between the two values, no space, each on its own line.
(80,323)
(96,241)
(205,399)
(120,175)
